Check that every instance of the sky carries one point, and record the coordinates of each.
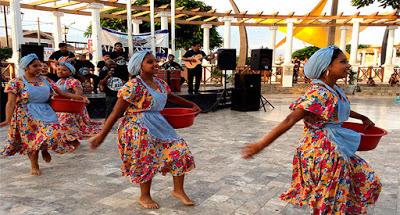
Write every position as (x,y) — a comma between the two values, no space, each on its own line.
(258,36)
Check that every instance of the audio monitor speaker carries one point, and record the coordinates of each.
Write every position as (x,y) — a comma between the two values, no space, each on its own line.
(28,49)
(226,59)
(261,59)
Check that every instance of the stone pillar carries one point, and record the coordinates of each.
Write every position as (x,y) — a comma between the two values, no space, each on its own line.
(343,33)
(206,37)
(16,34)
(287,77)
(173,26)
(129,23)
(389,67)
(152,28)
(272,44)
(57,34)
(164,26)
(136,26)
(96,32)
(354,45)
(394,56)
(227,31)
(375,63)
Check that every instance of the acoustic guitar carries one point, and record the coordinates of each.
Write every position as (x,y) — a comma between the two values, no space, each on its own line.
(197,59)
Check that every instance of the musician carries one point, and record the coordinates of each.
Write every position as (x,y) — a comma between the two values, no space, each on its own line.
(195,56)
(171,64)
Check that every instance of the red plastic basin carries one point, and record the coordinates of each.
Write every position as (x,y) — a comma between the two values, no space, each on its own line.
(179,117)
(369,137)
(62,104)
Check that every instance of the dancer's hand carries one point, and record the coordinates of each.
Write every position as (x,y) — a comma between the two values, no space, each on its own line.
(367,123)
(2,124)
(96,141)
(251,149)
(85,99)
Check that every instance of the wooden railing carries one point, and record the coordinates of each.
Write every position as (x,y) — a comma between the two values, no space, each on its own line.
(366,72)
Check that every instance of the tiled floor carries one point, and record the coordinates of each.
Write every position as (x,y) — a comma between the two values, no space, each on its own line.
(86,182)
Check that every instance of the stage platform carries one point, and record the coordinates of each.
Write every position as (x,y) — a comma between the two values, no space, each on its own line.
(211,98)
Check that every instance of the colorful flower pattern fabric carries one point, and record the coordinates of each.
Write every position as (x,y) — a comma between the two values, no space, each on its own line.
(79,125)
(27,134)
(143,155)
(322,177)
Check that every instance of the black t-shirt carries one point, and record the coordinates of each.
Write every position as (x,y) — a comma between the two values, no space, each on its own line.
(115,82)
(114,55)
(52,76)
(101,64)
(58,54)
(192,53)
(83,67)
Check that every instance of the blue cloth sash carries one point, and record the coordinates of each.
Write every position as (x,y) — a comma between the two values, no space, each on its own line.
(156,124)
(38,105)
(346,140)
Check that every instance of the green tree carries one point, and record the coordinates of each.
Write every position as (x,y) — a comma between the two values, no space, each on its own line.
(395,4)
(305,52)
(185,35)
(360,46)
(5,53)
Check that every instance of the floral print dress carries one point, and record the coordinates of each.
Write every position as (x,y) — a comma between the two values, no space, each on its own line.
(79,125)
(323,177)
(27,133)
(142,153)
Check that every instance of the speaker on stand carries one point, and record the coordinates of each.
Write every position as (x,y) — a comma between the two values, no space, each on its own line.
(226,60)
(35,49)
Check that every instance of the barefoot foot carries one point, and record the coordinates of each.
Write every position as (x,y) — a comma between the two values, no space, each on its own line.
(46,156)
(75,144)
(148,203)
(36,172)
(183,198)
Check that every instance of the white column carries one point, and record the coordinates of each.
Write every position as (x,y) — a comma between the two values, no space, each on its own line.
(354,40)
(16,33)
(343,33)
(272,44)
(152,28)
(394,56)
(164,26)
(227,31)
(363,56)
(287,77)
(129,23)
(57,34)
(289,41)
(96,31)
(173,26)
(389,67)
(375,57)
(206,37)
(136,26)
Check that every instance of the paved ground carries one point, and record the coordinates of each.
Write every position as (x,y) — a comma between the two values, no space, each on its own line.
(90,183)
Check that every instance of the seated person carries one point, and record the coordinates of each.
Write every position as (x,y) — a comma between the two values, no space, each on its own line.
(171,64)
(371,82)
(85,70)
(393,80)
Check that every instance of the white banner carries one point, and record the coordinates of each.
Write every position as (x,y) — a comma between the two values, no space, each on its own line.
(141,41)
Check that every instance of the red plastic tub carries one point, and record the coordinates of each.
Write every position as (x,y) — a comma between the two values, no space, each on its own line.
(179,117)
(369,137)
(62,104)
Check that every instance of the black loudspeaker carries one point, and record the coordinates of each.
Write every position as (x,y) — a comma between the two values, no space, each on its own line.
(28,49)
(261,59)
(226,59)
(247,93)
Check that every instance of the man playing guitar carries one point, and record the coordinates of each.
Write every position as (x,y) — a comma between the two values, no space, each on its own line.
(193,59)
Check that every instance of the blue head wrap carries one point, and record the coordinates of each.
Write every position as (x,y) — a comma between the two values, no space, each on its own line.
(26,60)
(319,62)
(135,63)
(69,66)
